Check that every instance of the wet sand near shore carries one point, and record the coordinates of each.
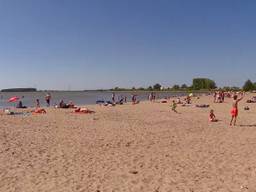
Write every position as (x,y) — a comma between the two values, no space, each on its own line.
(130,148)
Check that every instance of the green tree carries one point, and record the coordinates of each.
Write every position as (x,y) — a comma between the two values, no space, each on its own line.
(248,85)
(184,86)
(150,88)
(157,86)
(203,83)
(176,87)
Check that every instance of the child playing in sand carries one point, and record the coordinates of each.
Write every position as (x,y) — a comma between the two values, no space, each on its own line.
(212,117)
(234,110)
(174,106)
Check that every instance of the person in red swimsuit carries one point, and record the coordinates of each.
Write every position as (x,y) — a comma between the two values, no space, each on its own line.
(234,110)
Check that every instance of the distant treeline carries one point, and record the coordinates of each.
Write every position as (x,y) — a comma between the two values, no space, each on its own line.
(198,84)
(19,90)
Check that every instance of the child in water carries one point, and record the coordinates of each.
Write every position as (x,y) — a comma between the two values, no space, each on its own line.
(234,110)
(212,117)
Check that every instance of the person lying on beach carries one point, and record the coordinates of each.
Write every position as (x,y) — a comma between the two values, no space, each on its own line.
(252,100)
(9,112)
(83,110)
(39,111)
(212,117)
(120,101)
(202,105)
(234,110)
(174,106)
(109,103)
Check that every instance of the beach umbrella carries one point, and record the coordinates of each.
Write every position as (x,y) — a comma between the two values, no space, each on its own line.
(13,99)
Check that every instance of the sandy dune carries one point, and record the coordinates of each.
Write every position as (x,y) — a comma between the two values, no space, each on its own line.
(137,148)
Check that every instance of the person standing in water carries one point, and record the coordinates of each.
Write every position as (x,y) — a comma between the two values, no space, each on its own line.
(48,99)
(37,103)
(113,98)
(234,110)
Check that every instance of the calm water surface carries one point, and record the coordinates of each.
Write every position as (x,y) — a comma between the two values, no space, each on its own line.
(77,97)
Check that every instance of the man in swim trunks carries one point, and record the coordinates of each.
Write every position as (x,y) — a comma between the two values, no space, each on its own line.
(234,110)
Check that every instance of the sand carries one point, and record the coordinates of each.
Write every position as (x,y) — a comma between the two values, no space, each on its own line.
(130,148)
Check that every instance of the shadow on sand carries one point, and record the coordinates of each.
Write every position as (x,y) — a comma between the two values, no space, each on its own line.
(252,125)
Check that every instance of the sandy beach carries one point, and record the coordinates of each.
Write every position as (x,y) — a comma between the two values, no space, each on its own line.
(130,148)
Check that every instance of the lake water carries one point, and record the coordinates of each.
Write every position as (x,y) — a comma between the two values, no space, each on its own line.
(77,97)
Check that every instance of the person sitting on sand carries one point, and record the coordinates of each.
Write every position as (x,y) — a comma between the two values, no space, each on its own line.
(174,106)
(234,110)
(120,101)
(188,100)
(63,105)
(134,99)
(20,105)
(71,105)
(212,117)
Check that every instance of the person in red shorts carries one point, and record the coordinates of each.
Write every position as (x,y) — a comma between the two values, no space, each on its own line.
(234,110)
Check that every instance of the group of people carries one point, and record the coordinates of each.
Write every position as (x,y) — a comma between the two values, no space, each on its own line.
(123,99)
(234,109)
(152,97)
(218,96)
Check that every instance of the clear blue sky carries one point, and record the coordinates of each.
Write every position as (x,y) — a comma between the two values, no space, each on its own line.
(90,44)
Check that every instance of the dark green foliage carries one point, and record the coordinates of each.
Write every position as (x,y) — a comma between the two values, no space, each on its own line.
(176,87)
(184,86)
(157,86)
(248,86)
(203,83)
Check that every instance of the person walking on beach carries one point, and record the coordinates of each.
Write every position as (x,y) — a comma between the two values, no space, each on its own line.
(174,106)
(234,110)
(48,99)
